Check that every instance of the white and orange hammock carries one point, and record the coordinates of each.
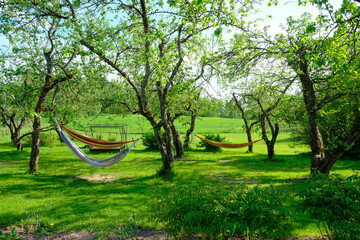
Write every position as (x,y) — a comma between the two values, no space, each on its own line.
(98,163)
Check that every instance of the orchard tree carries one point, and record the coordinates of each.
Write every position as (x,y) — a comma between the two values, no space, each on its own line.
(13,101)
(323,55)
(264,93)
(44,51)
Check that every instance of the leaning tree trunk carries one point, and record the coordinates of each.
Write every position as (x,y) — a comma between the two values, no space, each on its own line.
(319,162)
(177,141)
(316,142)
(191,129)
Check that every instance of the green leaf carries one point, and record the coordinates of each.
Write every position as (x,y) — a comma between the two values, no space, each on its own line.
(217,32)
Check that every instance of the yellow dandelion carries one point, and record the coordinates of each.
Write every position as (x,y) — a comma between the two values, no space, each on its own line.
(51,224)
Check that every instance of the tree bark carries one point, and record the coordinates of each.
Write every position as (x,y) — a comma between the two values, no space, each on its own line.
(16,141)
(177,141)
(17,134)
(191,129)
(316,142)
(168,157)
(35,146)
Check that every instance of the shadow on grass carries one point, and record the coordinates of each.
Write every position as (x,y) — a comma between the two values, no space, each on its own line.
(79,200)
(13,155)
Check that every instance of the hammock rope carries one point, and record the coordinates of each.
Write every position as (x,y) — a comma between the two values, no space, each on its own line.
(98,163)
(227,145)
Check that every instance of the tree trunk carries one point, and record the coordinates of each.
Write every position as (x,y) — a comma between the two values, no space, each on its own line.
(251,147)
(168,152)
(316,142)
(191,129)
(319,162)
(271,150)
(15,140)
(270,144)
(35,143)
(35,146)
(177,141)
(17,135)
(325,165)
(246,123)
(168,158)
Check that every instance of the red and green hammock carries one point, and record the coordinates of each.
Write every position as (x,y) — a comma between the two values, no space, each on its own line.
(227,145)
(93,141)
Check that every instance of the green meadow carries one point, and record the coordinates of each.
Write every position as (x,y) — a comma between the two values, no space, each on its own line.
(70,195)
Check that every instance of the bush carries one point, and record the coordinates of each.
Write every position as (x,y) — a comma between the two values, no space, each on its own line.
(150,141)
(212,137)
(47,139)
(335,203)
(218,214)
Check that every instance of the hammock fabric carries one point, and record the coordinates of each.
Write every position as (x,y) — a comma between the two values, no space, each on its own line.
(227,145)
(92,141)
(98,163)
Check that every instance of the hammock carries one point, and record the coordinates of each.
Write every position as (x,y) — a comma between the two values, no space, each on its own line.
(98,163)
(92,141)
(227,145)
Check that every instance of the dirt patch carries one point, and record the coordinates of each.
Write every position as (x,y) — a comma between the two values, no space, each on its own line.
(6,163)
(226,161)
(140,234)
(98,178)
(149,234)
(11,232)
(146,160)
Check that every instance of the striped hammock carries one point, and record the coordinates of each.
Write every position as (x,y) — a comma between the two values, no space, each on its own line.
(92,141)
(227,145)
(98,163)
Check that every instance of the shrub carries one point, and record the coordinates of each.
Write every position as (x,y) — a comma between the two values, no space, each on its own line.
(189,211)
(150,142)
(335,203)
(47,139)
(218,214)
(213,137)
(260,212)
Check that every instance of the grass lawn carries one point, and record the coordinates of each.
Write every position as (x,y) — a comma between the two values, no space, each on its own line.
(73,195)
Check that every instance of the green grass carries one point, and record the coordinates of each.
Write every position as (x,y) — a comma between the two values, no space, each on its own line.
(63,193)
